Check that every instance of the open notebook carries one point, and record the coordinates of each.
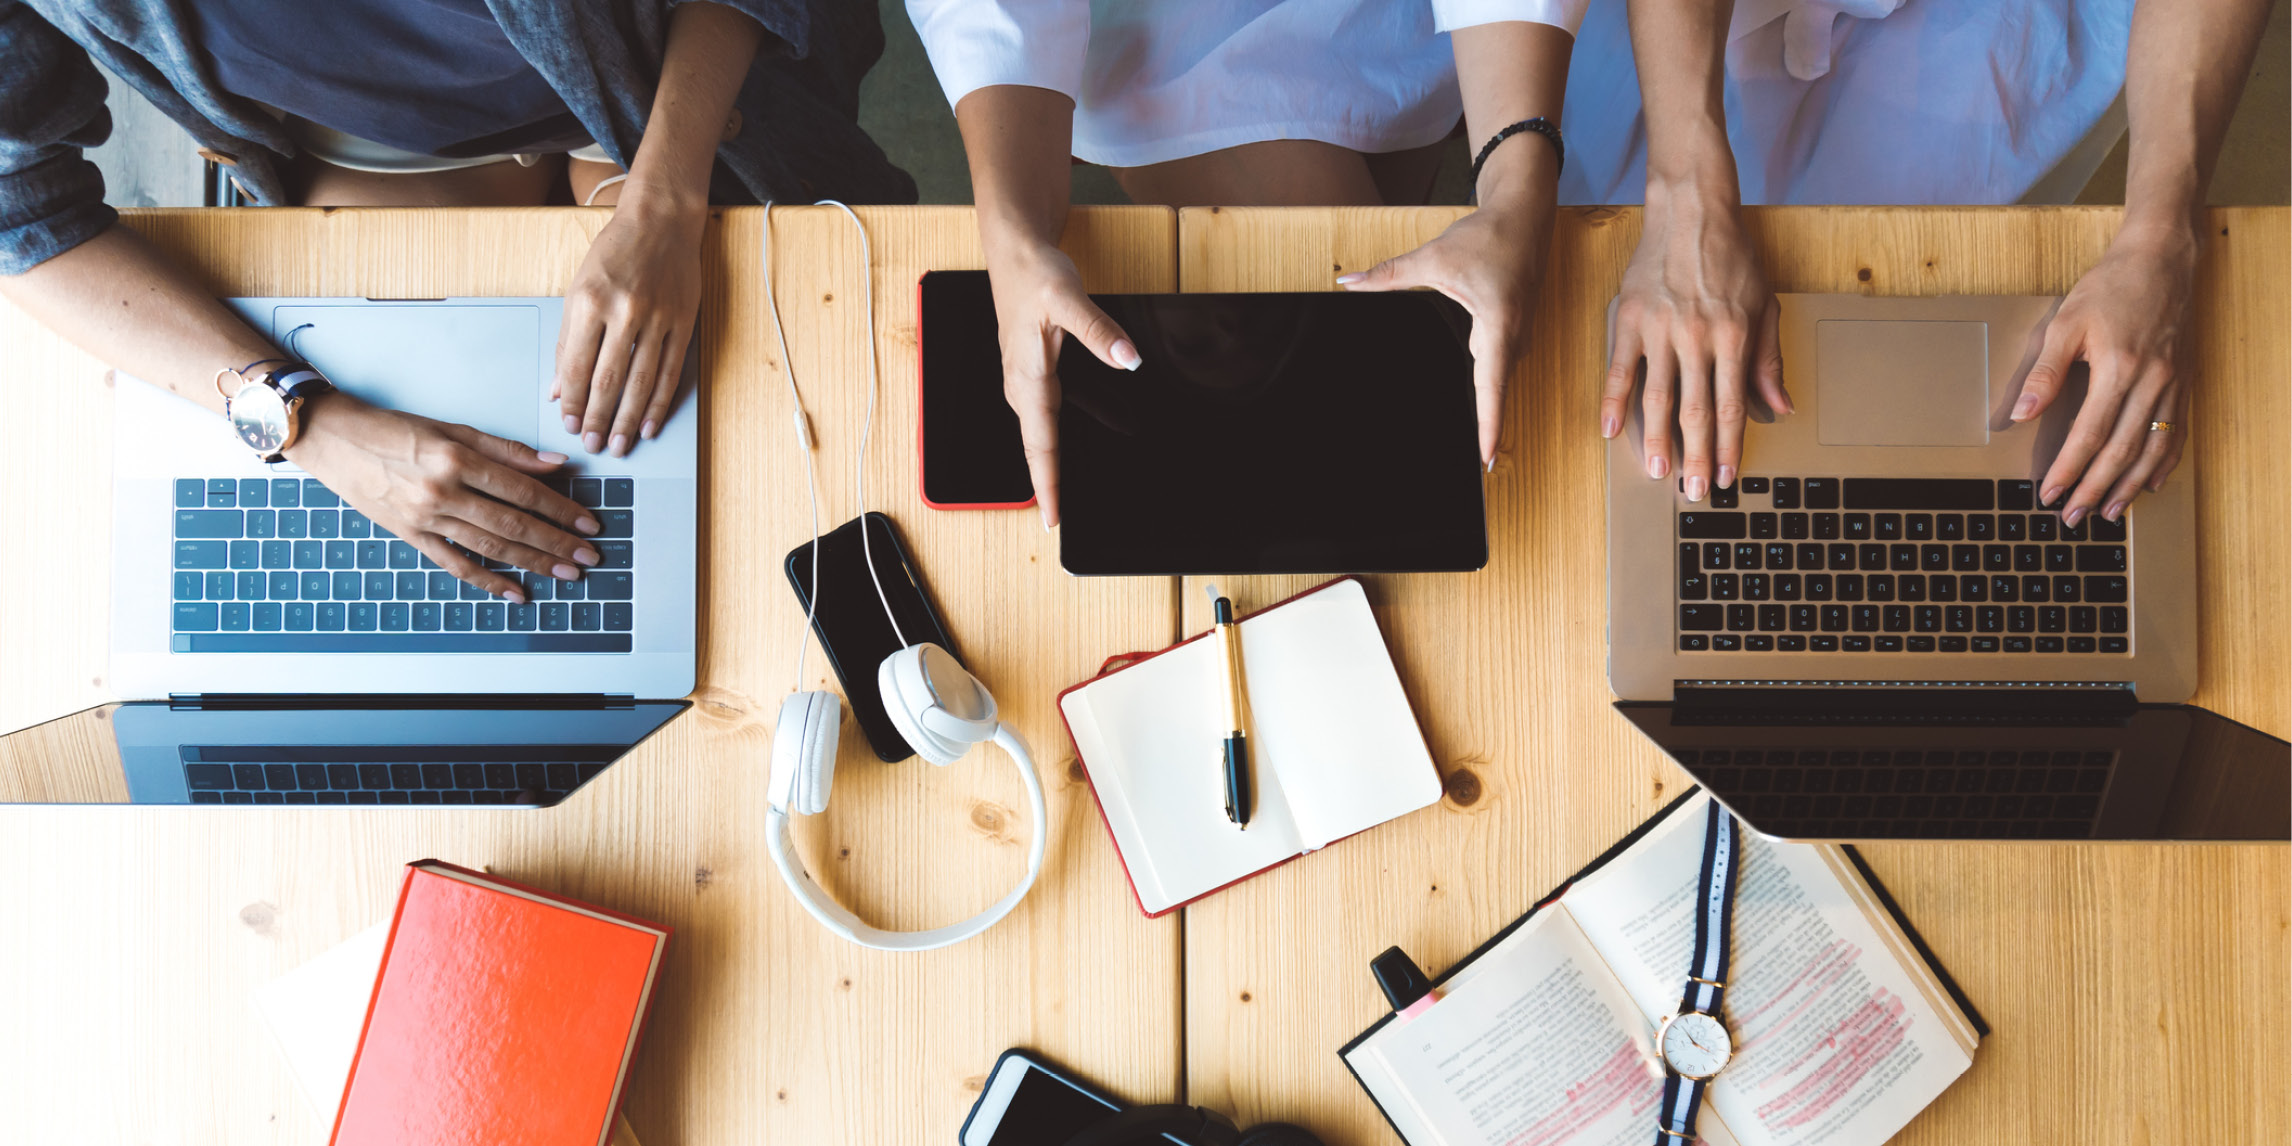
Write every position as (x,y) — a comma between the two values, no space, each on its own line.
(1334,746)
(1844,1028)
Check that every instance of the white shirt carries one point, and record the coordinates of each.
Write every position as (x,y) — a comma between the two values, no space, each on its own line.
(1874,101)
(1156,80)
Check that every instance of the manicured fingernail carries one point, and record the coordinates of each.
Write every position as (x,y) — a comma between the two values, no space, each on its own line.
(585,555)
(2050,496)
(2115,511)
(1491,466)
(1695,488)
(2024,408)
(2075,514)
(1350,277)
(1126,355)
(553,457)
(1789,406)
(572,424)
(513,597)
(587,524)
(1726,476)
(566,573)
(592,441)
(620,445)
(1609,425)
(1045,511)
(1658,466)
(650,430)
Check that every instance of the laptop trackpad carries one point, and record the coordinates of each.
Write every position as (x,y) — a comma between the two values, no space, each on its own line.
(472,364)
(1902,383)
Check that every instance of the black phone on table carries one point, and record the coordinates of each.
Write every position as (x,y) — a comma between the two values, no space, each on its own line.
(970,453)
(1028,1102)
(851,623)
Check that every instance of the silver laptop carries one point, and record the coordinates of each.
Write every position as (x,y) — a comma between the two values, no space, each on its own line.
(1881,592)
(251,589)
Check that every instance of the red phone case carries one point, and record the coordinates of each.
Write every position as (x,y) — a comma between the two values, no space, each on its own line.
(920,490)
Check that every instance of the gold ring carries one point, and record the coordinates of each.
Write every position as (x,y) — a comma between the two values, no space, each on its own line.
(2160,427)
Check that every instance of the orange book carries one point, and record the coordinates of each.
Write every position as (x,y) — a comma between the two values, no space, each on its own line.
(502,1014)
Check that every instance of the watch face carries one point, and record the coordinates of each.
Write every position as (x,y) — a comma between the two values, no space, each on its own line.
(1695,1044)
(259,417)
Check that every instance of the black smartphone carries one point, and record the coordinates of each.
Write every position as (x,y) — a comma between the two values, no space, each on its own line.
(851,622)
(1028,1102)
(970,453)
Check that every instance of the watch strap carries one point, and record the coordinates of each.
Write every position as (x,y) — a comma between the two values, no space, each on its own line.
(297,380)
(1675,1119)
(1715,914)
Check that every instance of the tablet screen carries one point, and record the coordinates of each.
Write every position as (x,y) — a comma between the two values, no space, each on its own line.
(1273,433)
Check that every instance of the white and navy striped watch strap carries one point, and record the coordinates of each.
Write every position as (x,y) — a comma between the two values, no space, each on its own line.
(1707,969)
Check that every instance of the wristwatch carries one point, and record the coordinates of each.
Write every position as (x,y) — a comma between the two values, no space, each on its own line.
(266,409)
(1694,1043)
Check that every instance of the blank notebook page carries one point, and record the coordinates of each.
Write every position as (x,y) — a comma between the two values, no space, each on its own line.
(1334,745)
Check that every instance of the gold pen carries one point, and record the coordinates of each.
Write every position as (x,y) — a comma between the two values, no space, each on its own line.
(1236,745)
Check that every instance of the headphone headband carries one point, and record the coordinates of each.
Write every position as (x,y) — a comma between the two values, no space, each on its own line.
(779,838)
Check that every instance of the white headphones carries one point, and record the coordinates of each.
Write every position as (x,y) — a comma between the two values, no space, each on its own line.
(938,706)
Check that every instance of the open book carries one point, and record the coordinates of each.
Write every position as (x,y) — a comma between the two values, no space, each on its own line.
(1334,746)
(1844,1029)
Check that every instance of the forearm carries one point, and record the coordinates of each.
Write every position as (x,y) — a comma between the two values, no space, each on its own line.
(1681,49)
(710,48)
(120,300)
(1509,72)
(1018,140)
(2185,67)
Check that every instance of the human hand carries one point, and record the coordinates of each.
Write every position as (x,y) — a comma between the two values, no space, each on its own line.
(2127,320)
(1491,262)
(448,490)
(1039,303)
(1696,306)
(628,321)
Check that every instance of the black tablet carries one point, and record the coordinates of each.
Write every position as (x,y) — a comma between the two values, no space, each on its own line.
(1273,433)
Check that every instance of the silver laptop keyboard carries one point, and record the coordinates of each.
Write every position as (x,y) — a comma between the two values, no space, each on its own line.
(1898,565)
(281,565)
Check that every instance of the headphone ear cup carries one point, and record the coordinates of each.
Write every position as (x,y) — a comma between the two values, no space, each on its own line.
(804,752)
(1278,1134)
(906,696)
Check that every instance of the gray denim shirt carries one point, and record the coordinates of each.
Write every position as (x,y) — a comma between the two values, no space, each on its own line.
(798,137)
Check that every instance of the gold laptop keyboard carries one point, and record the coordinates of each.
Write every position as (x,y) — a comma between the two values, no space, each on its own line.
(1898,565)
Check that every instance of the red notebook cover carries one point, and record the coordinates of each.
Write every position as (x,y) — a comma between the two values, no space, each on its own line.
(502,1014)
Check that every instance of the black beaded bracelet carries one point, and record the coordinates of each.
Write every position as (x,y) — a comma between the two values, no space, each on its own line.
(1540,126)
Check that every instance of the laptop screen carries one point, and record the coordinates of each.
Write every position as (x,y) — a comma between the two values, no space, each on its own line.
(1846,764)
(414,752)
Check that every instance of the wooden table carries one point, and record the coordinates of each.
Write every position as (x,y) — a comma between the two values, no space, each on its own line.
(2130,987)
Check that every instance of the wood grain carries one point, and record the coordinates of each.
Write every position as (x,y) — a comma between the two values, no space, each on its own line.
(139,965)
(2160,963)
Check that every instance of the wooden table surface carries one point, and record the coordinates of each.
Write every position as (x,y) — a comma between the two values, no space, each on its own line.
(2132,989)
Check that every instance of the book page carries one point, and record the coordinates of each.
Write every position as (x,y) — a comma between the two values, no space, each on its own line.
(1539,1046)
(1149,738)
(1834,1040)
(1328,717)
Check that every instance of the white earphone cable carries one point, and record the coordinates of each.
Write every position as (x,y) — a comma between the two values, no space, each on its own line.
(867,427)
(805,439)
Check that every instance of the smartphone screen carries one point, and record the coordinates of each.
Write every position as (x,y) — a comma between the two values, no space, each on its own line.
(851,622)
(1029,1104)
(972,455)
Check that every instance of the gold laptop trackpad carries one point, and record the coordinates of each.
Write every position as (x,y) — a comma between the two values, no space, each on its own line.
(1897,382)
